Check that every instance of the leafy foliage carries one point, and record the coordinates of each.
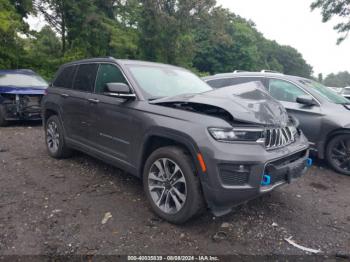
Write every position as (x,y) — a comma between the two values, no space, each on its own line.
(10,24)
(195,34)
(339,8)
(342,79)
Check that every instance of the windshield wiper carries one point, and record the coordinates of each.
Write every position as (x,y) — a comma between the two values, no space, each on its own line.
(155,98)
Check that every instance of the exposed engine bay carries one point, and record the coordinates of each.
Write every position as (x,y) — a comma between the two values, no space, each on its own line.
(21,107)
(245,104)
(202,109)
(217,112)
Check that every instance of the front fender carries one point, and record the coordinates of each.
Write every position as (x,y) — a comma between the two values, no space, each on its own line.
(170,134)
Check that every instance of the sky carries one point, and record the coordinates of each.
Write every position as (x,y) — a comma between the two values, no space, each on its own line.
(289,22)
(292,23)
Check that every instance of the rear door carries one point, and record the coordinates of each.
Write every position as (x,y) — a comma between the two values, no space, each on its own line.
(61,90)
(77,103)
(310,117)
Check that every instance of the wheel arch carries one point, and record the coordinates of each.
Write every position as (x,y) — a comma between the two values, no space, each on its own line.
(50,109)
(334,133)
(165,137)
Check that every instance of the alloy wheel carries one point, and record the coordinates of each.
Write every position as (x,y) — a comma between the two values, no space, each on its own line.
(340,154)
(52,137)
(167,186)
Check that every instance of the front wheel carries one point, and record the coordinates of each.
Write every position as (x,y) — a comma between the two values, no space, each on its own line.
(338,153)
(171,185)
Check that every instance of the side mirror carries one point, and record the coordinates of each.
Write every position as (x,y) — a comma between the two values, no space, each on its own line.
(306,100)
(119,90)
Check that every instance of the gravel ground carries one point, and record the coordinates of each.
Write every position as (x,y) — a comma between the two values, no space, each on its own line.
(52,207)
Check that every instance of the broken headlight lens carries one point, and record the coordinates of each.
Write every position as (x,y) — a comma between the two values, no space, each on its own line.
(237,134)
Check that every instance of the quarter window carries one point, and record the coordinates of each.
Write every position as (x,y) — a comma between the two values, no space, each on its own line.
(108,74)
(284,91)
(65,77)
(85,77)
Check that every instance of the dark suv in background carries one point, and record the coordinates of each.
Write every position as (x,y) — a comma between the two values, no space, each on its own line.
(191,145)
(323,114)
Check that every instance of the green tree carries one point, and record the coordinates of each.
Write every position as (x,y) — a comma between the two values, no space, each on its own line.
(90,27)
(225,42)
(342,79)
(167,29)
(43,52)
(55,13)
(10,24)
(195,34)
(292,61)
(339,8)
(320,78)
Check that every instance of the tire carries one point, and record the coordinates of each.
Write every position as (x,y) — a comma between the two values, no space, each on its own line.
(192,204)
(54,137)
(338,153)
(3,121)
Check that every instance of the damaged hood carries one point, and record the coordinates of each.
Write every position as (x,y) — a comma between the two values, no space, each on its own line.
(248,103)
(17,90)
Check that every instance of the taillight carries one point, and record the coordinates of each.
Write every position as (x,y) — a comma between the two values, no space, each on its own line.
(45,92)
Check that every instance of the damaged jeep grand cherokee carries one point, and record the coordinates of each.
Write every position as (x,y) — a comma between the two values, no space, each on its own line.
(21,91)
(193,147)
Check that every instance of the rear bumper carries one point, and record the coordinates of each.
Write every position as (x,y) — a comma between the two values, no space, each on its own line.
(230,183)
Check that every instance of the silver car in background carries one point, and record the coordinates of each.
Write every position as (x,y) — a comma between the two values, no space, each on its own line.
(346,92)
(323,114)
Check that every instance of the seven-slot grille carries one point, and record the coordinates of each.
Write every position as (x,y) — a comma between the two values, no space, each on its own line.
(279,137)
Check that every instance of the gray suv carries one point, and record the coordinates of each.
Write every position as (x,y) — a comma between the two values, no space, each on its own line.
(193,147)
(323,114)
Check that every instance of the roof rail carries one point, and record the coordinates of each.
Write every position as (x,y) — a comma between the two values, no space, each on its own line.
(271,71)
(240,71)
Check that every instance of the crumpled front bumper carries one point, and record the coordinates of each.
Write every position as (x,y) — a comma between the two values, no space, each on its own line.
(23,107)
(239,176)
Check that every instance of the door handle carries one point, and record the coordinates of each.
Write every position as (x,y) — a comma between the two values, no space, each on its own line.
(94,101)
(64,95)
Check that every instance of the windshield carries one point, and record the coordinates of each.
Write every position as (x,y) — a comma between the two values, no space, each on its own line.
(326,92)
(160,81)
(21,80)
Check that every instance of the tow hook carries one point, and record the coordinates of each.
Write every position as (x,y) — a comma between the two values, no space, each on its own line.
(266,180)
(309,162)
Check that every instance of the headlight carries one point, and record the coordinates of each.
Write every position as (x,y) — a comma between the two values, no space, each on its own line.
(237,134)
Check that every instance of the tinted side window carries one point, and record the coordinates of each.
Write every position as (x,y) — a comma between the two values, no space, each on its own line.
(85,77)
(65,77)
(284,91)
(108,73)
(217,83)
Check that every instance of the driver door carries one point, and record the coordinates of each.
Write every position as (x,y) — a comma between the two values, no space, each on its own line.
(310,117)
(113,123)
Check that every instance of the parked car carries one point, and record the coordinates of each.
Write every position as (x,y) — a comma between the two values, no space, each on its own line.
(191,145)
(336,89)
(346,92)
(323,114)
(21,92)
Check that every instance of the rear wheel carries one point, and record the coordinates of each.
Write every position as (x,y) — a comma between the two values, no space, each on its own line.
(338,153)
(171,185)
(54,136)
(3,121)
